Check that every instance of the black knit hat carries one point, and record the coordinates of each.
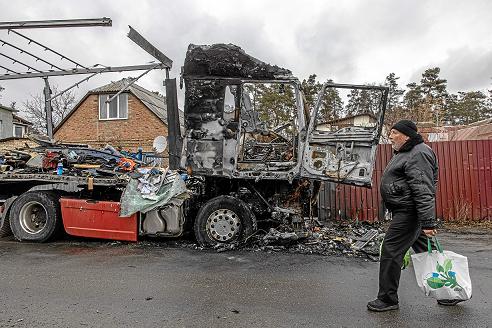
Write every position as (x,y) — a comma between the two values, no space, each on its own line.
(406,127)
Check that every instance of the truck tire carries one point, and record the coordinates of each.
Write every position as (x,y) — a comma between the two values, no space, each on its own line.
(224,220)
(35,216)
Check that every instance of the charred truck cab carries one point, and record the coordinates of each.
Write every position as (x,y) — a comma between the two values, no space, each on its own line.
(255,152)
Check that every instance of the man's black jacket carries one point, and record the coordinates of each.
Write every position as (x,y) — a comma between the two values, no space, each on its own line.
(410,179)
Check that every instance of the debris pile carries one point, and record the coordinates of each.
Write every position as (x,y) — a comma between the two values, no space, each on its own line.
(13,159)
(358,240)
(361,240)
(145,185)
(74,160)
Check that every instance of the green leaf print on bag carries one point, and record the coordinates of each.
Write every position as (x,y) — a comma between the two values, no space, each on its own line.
(444,277)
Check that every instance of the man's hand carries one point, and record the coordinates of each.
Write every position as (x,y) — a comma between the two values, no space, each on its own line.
(430,232)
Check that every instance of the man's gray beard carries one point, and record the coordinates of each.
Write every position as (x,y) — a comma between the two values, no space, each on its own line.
(395,147)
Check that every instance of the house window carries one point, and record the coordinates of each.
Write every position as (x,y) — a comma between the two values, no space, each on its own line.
(1,128)
(116,109)
(18,131)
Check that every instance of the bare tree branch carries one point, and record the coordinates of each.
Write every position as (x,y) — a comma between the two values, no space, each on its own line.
(35,112)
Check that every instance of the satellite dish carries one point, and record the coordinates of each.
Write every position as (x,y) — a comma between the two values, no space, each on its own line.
(160,144)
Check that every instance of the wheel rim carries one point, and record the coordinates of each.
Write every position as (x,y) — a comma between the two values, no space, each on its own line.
(33,217)
(223,225)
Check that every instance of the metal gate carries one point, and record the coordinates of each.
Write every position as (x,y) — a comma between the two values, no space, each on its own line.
(464,189)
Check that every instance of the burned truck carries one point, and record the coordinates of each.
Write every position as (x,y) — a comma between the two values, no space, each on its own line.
(254,151)
(260,152)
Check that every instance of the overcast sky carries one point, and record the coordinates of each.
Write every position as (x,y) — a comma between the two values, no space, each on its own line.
(348,41)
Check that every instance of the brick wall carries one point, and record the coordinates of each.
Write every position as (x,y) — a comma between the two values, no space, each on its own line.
(16,143)
(140,129)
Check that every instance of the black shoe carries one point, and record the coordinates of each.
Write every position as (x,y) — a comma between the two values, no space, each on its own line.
(449,302)
(380,306)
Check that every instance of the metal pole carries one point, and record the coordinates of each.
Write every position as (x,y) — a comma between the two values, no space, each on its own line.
(74,71)
(57,23)
(175,140)
(47,107)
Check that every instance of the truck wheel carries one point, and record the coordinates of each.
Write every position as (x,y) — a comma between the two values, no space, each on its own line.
(224,219)
(35,216)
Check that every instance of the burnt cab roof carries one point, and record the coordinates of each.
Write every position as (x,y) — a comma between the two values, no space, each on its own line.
(229,61)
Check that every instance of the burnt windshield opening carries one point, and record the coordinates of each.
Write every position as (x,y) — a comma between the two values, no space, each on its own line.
(269,125)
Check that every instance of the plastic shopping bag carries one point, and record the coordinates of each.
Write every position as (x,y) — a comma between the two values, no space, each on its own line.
(442,275)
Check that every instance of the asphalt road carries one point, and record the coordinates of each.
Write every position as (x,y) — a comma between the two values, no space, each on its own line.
(99,284)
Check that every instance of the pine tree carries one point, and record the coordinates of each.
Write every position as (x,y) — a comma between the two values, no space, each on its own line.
(413,102)
(331,105)
(434,92)
(467,107)
(354,102)
(395,110)
(276,103)
(311,88)
(395,93)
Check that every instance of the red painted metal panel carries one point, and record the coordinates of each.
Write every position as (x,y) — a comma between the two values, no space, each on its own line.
(464,189)
(481,177)
(449,196)
(439,204)
(488,177)
(476,181)
(97,219)
(458,154)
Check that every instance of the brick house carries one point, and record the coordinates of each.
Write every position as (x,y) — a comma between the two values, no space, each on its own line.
(131,120)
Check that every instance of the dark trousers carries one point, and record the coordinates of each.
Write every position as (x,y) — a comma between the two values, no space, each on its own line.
(404,232)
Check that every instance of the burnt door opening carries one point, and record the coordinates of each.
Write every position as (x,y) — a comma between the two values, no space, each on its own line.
(343,133)
(269,130)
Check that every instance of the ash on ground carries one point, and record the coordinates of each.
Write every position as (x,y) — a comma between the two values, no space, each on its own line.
(352,240)
(361,240)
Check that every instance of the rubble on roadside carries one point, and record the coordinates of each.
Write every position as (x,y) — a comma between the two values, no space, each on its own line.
(336,240)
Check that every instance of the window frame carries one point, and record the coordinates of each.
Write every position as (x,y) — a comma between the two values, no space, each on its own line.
(22,131)
(109,95)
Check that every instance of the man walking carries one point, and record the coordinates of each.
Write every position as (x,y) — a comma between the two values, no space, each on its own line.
(408,189)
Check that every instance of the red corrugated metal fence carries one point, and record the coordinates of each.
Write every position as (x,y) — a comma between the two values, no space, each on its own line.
(464,189)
